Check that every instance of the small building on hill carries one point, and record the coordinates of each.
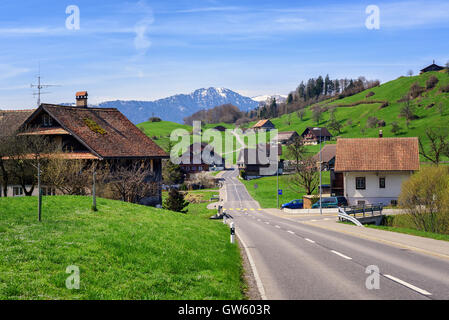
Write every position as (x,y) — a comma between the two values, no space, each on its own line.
(315,135)
(220,128)
(432,67)
(328,154)
(372,170)
(264,124)
(286,138)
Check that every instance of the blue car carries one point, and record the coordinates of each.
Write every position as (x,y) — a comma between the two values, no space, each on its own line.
(295,204)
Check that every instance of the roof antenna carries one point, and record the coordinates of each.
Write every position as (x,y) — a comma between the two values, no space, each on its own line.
(40,86)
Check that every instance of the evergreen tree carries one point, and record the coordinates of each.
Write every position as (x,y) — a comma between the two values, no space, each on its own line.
(175,201)
(319,88)
(327,83)
(289,98)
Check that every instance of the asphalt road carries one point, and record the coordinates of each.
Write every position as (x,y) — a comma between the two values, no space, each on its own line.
(296,261)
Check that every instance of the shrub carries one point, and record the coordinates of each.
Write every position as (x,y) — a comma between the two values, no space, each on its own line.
(381,123)
(370,94)
(416,90)
(175,201)
(372,122)
(445,89)
(431,82)
(384,105)
(395,128)
(425,196)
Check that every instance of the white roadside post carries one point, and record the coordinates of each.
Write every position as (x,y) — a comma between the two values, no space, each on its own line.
(232,233)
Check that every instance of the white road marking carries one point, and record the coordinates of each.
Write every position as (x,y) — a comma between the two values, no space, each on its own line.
(408,285)
(291,232)
(267,222)
(309,240)
(254,269)
(258,220)
(278,227)
(341,255)
(313,220)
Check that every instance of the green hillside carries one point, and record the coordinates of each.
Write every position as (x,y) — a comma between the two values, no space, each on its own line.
(123,251)
(160,131)
(358,108)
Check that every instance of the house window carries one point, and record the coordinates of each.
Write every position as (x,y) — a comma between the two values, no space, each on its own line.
(382,183)
(360,183)
(47,121)
(17,191)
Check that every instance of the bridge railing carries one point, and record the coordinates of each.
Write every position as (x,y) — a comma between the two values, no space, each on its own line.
(350,213)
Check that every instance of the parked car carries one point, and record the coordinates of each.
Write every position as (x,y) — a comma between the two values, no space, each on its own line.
(295,204)
(331,202)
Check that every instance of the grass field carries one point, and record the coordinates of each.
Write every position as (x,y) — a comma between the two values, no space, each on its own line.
(124,251)
(266,195)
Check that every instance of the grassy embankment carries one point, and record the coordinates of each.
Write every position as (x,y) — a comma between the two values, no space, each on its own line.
(266,194)
(403,223)
(124,251)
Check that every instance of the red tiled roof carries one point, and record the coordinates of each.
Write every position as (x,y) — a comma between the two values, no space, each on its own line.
(377,154)
(81,93)
(117,137)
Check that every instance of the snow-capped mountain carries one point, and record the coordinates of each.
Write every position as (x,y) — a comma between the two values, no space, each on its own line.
(176,108)
(267,98)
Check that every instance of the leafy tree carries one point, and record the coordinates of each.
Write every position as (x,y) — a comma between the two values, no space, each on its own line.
(317,114)
(172,173)
(334,124)
(425,197)
(175,201)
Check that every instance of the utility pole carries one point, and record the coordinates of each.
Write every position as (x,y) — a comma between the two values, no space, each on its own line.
(321,160)
(39,190)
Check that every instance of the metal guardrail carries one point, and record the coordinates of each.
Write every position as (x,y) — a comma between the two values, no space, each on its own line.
(366,212)
(343,215)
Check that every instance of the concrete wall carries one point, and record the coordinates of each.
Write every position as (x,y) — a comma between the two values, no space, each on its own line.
(373,194)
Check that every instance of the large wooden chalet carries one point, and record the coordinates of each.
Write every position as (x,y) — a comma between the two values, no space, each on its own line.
(93,134)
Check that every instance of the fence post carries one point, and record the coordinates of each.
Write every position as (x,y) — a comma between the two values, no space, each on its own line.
(232,233)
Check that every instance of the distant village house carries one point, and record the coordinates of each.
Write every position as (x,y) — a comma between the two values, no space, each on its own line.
(313,136)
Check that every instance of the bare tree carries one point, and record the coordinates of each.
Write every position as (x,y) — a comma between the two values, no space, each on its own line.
(296,151)
(438,143)
(133,183)
(70,177)
(306,177)
(410,73)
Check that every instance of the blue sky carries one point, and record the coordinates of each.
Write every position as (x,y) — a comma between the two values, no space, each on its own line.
(147,50)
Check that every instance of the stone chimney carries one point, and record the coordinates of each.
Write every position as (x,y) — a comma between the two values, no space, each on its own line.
(81,99)
(381,134)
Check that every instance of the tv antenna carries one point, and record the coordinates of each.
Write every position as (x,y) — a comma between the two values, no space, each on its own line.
(39,86)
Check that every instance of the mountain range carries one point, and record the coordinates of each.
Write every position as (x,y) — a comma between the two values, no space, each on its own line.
(177,107)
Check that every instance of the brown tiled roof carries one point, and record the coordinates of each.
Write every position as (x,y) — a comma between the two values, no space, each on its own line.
(328,152)
(46,131)
(81,93)
(316,133)
(286,135)
(117,137)
(10,121)
(377,154)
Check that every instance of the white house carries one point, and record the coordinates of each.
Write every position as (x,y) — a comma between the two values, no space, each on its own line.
(374,169)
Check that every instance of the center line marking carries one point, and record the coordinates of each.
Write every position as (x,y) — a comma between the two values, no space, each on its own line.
(341,255)
(309,240)
(291,232)
(408,285)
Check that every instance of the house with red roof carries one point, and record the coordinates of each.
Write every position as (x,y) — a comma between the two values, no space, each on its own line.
(372,170)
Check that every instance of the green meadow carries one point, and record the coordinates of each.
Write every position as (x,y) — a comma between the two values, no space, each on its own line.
(123,251)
